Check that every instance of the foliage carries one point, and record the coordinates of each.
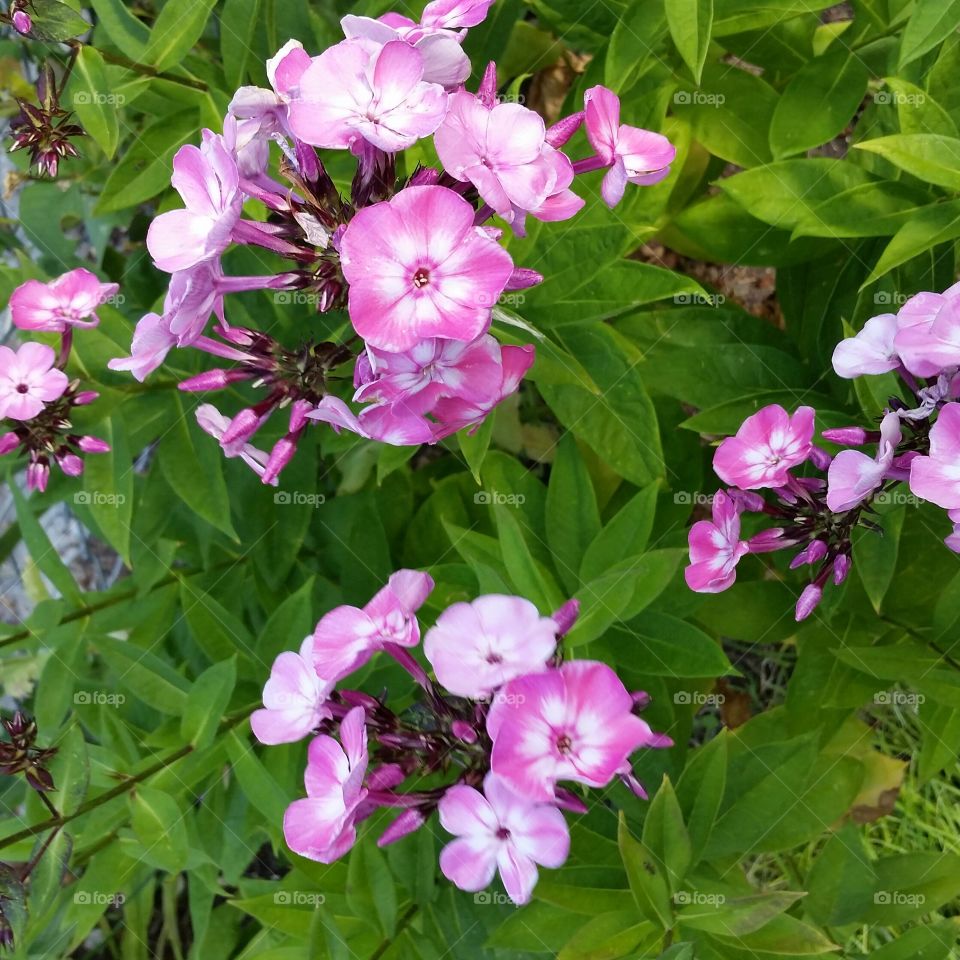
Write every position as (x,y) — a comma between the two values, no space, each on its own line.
(825,147)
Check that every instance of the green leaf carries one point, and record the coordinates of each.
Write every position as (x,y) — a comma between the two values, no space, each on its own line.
(217,632)
(663,646)
(93,102)
(648,884)
(178,27)
(735,916)
(784,936)
(818,102)
(184,454)
(690,22)
(842,880)
(207,703)
(238,23)
(700,791)
(912,885)
(71,771)
(528,577)
(875,556)
(122,27)
(931,22)
(627,533)
(608,936)
(54,21)
(145,675)
(108,485)
(259,786)
(573,520)
(665,834)
(930,157)
(159,825)
(370,887)
(474,445)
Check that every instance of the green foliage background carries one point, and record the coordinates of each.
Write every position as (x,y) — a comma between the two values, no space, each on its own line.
(826,147)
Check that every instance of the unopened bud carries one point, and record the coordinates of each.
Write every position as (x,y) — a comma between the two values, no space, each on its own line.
(566,617)
(463,731)
(808,601)
(846,436)
(93,445)
(408,822)
(9,441)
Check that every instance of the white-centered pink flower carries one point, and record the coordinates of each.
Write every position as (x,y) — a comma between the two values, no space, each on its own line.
(69,301)
(500,830)
(870,351)
(936,477)
(928,340)
(716,548)
(853,476)
(207,179)
(214,423)
(321,826)
(632,154)
(347,637)
(572,723)
(294,698)
(29,380)
(501,149)
(477,647)
(766,446)
(419,268)
(360,90)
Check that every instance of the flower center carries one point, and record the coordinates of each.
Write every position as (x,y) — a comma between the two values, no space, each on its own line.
(494,658)
(22,388)
(421,278)
(564,744)
(503,834)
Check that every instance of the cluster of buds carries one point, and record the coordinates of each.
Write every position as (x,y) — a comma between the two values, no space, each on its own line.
(36,395)
(915,441)
(44,128)
(502,719)
(412,260)
(20,754)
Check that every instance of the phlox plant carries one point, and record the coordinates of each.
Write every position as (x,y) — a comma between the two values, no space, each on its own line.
(482,479)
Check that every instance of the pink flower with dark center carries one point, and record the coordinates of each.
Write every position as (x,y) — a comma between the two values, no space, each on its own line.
(321,826)
(29,381)
(928,340)
(501,150)
(214,423)
(633,155)
(359,90)
(63,303)
(294,699)
(152,341)
(766,446)
(419,268)
(936,477)
(716,548)
(871,351)
(477,647)
(207,179)
(572,723)
(500,830)
(853,476)
(347,637)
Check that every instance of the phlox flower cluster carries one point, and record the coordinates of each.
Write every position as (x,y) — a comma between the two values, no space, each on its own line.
(501,720)
(413,260)
(36,395)
(915,441)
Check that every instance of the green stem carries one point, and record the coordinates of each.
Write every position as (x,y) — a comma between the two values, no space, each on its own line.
(402,924)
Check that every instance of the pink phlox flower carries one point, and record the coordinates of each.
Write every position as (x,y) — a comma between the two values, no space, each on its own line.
(928,340)
(716,548)
(853,476)
(207,179)
(63,303)
(294,698)
(29,380)
(871,351)
(936,477)
(383,422)
(500,830)
(575,722)
(477,647)
(418,268)
(152,341)
(361,90)
(213,422)
(766,446)
(322,826)
(347,637)
(633,155)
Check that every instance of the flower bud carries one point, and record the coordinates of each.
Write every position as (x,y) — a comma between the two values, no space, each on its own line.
(846,436)
(841,567)
(808,601)
(212,380)
(38,475)
(408,822)
(820,458)
(385,777)
(566,617)
(281,454)
(814,552)
(93,445)
(463,731)
(9,441)
(70,464)
(241,428)
(22,22)
(84,398)
(564,129)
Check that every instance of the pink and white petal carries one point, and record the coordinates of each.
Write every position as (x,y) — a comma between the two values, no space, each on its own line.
(177,240)
(518,873)
(709,576)
(936,481)
(602,120)
(310,827)
(20,406)
(438,219)
(465,812)
(515,135)
(34,358)
(851,477)
(191,179)
(559,206)
(444,61)
(398,68)
(353,735)
(35,306)
(376,30)
(411,588)
(944,434)
(469,863)
(454,14)
(614,184)
(343,640)
(542,835)
(281,726)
